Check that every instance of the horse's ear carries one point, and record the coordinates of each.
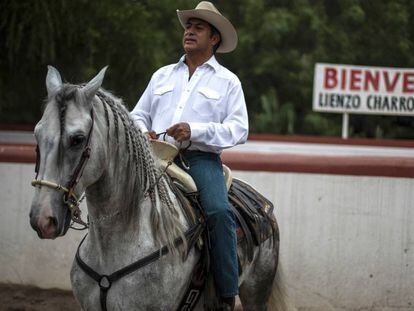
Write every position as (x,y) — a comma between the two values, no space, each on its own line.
(92,87)
(53,80)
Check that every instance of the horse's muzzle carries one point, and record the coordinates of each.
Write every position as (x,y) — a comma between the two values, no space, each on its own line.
(46,227)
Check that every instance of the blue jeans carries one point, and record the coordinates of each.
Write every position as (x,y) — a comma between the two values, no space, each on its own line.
(207,172)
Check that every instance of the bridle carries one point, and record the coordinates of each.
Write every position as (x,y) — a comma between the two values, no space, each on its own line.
(69,197)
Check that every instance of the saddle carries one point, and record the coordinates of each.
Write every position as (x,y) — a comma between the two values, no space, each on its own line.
(252,210)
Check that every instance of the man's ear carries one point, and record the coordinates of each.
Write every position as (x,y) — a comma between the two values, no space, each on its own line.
(215,39)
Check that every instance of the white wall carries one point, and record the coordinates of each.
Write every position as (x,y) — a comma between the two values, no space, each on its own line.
(346,241)
(24,258)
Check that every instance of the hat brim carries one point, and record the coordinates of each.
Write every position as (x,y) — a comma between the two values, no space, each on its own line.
(223,25)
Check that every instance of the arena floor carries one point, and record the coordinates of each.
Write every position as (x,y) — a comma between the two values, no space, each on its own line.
(28,298)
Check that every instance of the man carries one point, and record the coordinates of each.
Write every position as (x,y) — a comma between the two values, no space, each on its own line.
(199,100)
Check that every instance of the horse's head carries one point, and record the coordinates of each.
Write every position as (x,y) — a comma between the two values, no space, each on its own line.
(65,136)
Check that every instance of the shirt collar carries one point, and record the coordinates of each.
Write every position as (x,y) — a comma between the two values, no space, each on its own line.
(212,62)
(181,61)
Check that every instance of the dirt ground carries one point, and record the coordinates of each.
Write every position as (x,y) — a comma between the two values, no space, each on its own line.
(29,298)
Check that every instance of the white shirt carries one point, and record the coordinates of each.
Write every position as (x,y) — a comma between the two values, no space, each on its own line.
(211,102)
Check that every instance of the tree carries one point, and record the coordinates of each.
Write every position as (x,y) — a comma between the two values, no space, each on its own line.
(279,44)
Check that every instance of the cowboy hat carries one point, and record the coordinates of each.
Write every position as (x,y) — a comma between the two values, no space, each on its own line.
(206,11)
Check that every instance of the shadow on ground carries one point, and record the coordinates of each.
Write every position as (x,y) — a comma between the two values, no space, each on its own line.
(29,298)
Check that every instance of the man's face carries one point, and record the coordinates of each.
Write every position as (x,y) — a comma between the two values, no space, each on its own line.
(197,36)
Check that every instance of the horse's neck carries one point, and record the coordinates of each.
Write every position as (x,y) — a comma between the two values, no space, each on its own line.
(112,241)
(108,195)
(113,229)
(118,226)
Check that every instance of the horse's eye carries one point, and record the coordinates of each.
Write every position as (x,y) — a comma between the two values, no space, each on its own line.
(76,140)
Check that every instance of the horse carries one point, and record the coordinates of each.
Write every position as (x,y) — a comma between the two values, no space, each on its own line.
(87,141)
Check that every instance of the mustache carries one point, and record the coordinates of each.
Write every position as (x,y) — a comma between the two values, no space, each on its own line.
(190,37)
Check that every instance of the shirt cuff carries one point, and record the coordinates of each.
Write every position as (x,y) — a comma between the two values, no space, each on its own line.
(198,131)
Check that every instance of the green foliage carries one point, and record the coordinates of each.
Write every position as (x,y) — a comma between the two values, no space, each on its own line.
(279,43)
(274,118)
(315,124)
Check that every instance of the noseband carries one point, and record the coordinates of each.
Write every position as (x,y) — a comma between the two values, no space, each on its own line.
(69,197)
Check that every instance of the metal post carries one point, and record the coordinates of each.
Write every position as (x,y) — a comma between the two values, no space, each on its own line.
(345,122)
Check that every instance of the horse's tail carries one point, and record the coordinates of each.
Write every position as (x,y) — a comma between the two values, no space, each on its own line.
(279,299)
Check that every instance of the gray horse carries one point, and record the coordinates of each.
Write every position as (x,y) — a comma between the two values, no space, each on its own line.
(87,142)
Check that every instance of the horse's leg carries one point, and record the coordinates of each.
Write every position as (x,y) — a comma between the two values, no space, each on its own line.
(257,285)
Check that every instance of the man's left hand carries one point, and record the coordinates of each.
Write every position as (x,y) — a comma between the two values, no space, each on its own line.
(180,131)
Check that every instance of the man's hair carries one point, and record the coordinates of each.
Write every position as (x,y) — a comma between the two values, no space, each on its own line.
(214,31)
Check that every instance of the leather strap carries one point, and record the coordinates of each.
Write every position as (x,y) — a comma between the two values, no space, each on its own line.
(105,281)
(245,228)
(77,173)
(37,161)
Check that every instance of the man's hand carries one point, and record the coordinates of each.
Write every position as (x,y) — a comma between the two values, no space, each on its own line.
(151,135)
(180,131)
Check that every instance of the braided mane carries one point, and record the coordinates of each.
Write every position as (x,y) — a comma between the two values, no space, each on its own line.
(143,176)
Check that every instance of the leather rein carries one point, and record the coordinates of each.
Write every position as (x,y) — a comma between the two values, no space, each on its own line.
(69,197)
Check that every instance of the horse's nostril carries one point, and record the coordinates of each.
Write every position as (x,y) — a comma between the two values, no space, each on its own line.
(53,221)
(46,227)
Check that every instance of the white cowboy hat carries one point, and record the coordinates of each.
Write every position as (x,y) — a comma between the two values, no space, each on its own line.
(206,11)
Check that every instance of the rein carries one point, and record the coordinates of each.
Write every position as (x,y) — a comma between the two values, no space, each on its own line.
(69,197)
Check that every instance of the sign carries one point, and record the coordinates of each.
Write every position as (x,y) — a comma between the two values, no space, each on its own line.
(363,89)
